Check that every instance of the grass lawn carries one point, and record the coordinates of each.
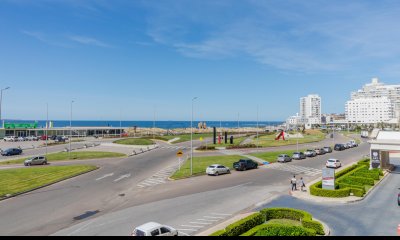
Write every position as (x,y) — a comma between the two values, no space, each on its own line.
(186,137)
(14,181)
(273,156)
(201,163)
(269,140)
(134,141)
(52,157)
(287,222)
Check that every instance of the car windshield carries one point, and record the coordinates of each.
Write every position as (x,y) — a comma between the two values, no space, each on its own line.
(330,160)
(281,155)
(296,153)
(139,233)
(212,166)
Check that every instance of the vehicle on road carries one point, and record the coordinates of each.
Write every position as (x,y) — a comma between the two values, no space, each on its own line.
(319,151)
(310,153)
(154,229)
(32,138)
(284,158)
(60,139)
(244,164)
(339,147)
(217,169)
(11,152)
(346,145)
(40,160)
(353,143)
(398,199)
(327,149)
(333,163)
(10,139)
(298,156)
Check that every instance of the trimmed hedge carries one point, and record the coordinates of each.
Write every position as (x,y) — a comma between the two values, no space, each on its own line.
(202,148)
(287,213)
(241,146)
(282,230)
(244,225)
(358,180)
(316,190)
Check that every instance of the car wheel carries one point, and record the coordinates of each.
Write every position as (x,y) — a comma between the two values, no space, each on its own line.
(244,169)
(44,163)
(228,172)
(216,174)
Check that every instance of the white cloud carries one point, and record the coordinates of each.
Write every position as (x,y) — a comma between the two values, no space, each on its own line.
(45,38)
(88,41)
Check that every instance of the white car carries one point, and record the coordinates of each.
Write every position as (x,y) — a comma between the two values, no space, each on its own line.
(154,229)
(217,169)
(10,139)
(32,138)
(21,139)
(333,163)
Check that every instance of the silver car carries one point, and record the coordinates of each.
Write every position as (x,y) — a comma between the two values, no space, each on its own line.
(284,158)
(40,160)
(217,169)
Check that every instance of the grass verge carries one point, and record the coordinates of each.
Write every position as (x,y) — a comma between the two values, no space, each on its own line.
(201,163)
(272,157)
(134,141)
(53,157)
(269,140)
(14,181)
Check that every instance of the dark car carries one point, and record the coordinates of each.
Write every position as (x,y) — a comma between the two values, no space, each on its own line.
(54,137)
(60,139)
(245,164)
(298,156)
(339,147)
(398,199)
(11,152)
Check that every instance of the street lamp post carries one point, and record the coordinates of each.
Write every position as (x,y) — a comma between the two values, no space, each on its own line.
(1,100)
(70,132)
(154,123)
(257,126)
(191,140)
(47,125)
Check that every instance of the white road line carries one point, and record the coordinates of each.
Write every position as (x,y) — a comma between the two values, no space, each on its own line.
(153,180)
(122,177)
(190,230)
(180,232)
(107,175)
(221,214)
(192,226)
(200,223)
(207,220)
(213,217)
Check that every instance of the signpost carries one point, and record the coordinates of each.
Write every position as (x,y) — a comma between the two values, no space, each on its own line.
(375,159)
(328,178)
(179,154)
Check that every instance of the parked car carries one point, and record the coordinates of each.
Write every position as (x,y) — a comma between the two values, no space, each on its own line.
(54,137)
(298,156)
(398,199)
(319,151)
(310,153)
(21,139)
(327,149)
(333,163)
(353,143)
(154,229)
(60,139)
(346,145)
(339,147)
(32,138)
(43,138)
(244,164)
(10,139)
(11,152)
(40,160)
(217,169)
(284,158)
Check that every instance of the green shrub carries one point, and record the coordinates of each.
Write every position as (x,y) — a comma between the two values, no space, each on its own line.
(358,192)
(294,214)
(202,148)
(282,230)
(219,233)
(358,180)
(316,190)
(241,146)
(344,171)
(366,174)
(245,224)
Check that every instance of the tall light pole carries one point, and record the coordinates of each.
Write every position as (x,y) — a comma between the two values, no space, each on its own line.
(120,124)
(1,100)
(238,123)
(191,140)
(154,122)
(70,131)
(47,125)
(257,126)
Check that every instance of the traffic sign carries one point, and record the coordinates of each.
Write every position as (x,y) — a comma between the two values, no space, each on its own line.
(201,138)
(179,154)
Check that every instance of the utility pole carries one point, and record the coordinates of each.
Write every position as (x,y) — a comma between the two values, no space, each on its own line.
(191,140)
(70,131)
(47,125)
(1,100)
(257,126)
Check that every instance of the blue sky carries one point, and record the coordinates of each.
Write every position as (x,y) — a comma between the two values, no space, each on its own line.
(136,56)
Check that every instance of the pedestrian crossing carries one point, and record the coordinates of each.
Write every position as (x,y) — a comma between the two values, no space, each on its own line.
(193,226)
(294,169)
(159,178)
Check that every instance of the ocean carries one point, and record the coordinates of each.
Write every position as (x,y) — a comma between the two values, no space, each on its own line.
(149,124)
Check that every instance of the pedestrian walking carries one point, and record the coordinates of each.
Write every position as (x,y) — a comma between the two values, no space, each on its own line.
(302,184)
(293,181)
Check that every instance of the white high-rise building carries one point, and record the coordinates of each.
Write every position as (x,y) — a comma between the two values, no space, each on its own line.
(310,109)
(376,89)
(369,110)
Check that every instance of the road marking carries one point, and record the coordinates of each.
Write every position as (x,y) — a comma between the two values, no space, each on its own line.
(206,220)
(122,177)
(213,217)
(192,226)
(221,214)
(190,230)
(183,233)
(105,176)
(200,223)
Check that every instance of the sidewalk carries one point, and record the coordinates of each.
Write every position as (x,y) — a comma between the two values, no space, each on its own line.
(305,195)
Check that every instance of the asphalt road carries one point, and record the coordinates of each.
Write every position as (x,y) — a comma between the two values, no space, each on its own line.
(109,202)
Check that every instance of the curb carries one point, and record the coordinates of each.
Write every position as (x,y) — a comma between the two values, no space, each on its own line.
(49,184)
